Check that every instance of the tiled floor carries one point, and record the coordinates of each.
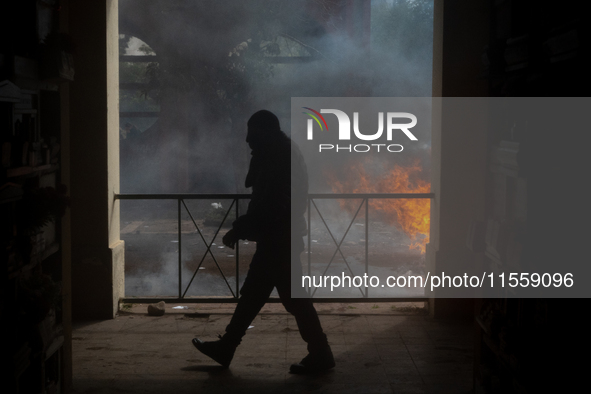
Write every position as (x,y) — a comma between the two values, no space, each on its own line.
(377,349)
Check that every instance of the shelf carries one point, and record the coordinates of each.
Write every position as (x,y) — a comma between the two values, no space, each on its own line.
(25,111)
(51,249)
(21,269)
(19,171)
(10,199)
(10,194)
(31,171)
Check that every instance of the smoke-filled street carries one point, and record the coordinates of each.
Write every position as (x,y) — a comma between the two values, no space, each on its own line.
(191,73)
(150,231)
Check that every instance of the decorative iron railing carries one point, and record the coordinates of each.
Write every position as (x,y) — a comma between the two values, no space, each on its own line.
(236,198)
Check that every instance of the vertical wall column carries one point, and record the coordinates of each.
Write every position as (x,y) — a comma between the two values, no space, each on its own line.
(97,251)
(66,236)
(459,143)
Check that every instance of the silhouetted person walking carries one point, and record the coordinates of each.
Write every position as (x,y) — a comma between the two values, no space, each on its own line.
(279,180)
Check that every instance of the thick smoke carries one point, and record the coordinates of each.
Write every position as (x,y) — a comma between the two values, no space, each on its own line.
(215,68)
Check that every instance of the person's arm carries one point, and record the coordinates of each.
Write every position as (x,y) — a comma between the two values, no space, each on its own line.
(269,208)
(247,226)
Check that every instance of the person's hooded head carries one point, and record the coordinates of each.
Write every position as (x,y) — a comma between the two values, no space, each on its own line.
(263,130)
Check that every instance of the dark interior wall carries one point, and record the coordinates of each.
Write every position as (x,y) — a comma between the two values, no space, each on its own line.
(463,35)
(538,49)
(23,61)
(88,181)
(461,29)
(97,253)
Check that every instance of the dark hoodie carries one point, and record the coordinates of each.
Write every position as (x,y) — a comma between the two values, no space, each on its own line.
(279,181)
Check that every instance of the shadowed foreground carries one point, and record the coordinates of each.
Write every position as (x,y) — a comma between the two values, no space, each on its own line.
(378,349)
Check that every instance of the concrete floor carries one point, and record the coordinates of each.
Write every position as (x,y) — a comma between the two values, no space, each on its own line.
(379,348)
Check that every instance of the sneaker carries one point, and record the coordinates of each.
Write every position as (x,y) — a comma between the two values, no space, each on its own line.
(220,351)
(315,362)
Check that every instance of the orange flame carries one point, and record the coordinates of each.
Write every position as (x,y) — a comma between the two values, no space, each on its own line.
(409,215)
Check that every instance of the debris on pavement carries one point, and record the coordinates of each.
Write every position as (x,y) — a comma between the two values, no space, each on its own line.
(156,309)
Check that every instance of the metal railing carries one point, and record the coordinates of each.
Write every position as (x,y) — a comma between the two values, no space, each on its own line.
(180,198)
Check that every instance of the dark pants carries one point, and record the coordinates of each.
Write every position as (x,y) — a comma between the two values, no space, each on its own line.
(271,268)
